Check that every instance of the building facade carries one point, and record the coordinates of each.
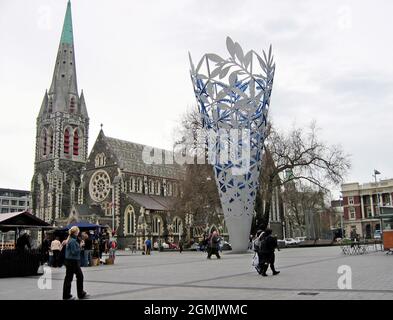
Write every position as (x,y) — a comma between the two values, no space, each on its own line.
(111,186)
(361,204)
(135,199)
(12,200)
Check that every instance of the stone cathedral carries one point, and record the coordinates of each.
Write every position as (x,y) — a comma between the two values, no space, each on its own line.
(111,186)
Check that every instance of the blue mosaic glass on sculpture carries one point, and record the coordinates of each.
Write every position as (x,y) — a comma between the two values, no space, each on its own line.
(234,93)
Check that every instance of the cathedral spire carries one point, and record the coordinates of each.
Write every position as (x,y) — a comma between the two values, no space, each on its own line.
(64,84)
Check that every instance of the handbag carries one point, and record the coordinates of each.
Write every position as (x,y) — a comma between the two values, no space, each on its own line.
(255,260)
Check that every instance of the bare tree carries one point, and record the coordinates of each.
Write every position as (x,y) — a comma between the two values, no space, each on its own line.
(302,203)
(298,155)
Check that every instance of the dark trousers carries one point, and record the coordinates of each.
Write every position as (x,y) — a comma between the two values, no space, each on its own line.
(73,267)
(266,260)
(56,255)
(148,249)
(211,251)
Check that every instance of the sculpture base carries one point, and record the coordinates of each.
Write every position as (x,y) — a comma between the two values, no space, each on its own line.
(239,232)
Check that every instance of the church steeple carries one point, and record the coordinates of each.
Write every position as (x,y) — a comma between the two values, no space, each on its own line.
(62,135)
(64,83)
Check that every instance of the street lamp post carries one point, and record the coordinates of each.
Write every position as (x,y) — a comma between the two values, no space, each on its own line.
(113,209)
(375,179)
(378,208)
(342,217)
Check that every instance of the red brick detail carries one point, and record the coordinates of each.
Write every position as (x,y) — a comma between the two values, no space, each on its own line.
(346,217)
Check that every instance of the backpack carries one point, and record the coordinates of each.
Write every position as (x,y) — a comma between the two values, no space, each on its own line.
(258,243)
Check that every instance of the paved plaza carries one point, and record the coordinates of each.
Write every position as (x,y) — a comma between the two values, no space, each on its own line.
(306,273)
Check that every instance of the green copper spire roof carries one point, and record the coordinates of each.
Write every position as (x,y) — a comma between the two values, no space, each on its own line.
(66,35)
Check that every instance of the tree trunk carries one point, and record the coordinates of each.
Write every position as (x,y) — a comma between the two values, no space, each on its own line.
(268,203)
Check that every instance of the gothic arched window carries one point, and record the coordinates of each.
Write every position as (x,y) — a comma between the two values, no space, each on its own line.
(177,224)
(72,105)
(72,193)
(44,136)
(129,220)
(169,188)
(139,185)
(157,188)
(50,141)
(66,141)
(157,225)
(132,184)
(100,160)
(76,143)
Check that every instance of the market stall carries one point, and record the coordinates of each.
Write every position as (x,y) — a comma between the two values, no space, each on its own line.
(20,257)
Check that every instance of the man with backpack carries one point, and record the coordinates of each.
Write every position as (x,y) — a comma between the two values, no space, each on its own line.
(266,255)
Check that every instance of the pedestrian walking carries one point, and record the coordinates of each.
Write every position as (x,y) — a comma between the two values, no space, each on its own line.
(72,263)
(213,245)
(133,247)
(112,249)
(45,249)
(147,247)
(266,253)
(180,246)
(88,250)
(55,247)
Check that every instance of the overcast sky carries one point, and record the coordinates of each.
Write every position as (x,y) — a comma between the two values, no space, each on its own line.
(334,66)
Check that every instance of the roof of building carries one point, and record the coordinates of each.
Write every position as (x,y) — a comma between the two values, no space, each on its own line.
(14,190)
(158,203)
(21,219)
(85,210)
(130,157)
(67,35)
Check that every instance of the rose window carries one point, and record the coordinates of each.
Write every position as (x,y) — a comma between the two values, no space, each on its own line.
(100,184)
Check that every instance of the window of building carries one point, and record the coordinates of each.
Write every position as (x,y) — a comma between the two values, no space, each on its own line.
(158,188)
(368,211)
(139,185)
(350,201)
(352,213)
(22,203)
(100,160)
(386,199)
(150,186)
(44,141)
(5,202)
(169,188)
(76,143)
(177,225)
(129,220)
(132,184)
(72,193)
(66,141)
(157,225)
(13,202)
(50,141)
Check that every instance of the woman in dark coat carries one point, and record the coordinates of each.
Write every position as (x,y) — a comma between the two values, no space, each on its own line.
(266,254)
(213,245)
